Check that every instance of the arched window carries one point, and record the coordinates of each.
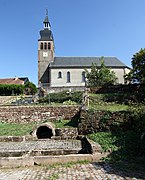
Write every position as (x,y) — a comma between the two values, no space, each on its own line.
(49,45)
(59,75)
(68,77)
(45,46)
(41,46)
(83,76)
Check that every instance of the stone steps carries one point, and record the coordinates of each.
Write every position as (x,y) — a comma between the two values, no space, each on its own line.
(43,147)
(50,152)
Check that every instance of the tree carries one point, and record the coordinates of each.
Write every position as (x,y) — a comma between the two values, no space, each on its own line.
(138,67)
(100,76)
(30,88)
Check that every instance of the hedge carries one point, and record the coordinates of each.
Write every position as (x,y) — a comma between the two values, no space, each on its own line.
(62,97)
(11,89)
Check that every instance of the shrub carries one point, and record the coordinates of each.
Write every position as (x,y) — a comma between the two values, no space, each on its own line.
(62,97)
(69,102)
(11,89)
(137,112)
(30,88)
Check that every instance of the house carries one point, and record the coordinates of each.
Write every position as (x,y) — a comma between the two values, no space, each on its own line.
(59,73)
(15,80)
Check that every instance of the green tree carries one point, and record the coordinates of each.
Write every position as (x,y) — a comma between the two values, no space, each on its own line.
(138,67)
(11,89)
(30,88)
(100,76)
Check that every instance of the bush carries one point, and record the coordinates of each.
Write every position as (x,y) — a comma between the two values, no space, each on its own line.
(11,89)
(69,102)
(137,112)
(62,97)
(105,139)
(30,88)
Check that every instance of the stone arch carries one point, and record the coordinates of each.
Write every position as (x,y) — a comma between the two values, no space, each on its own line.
(44,131)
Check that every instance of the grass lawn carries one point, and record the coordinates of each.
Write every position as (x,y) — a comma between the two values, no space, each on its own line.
(109,107)
(107,102)
(7,129)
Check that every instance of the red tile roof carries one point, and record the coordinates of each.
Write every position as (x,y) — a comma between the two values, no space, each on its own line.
(12,81)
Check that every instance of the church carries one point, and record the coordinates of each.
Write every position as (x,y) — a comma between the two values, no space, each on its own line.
(68,73)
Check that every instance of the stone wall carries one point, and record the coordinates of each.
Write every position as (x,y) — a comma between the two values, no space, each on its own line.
(66,133)
(94,121)
(89,121)
(27,114)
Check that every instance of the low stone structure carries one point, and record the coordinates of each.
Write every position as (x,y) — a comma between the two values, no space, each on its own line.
(47,151)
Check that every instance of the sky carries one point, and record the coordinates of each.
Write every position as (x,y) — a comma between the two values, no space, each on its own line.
(80,28)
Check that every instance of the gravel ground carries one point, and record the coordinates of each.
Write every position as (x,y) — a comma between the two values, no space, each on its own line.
(90,171)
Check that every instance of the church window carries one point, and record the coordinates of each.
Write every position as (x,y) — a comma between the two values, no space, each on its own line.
(68,77)
(83,76)
(59,75)
(49,45)
(41,46)
(45,46)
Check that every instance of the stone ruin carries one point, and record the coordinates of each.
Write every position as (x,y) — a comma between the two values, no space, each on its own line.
(47,145)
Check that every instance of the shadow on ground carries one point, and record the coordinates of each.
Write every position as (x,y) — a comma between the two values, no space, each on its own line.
(129,159)
(123,170)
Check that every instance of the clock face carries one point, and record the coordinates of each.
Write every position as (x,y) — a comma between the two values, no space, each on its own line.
(45,54)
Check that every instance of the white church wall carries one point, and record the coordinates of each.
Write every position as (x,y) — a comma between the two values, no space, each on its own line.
(76,76)
(120,72)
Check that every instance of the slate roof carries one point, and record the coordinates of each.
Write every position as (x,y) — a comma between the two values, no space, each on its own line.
(79,62)
(46,35)
(46,20)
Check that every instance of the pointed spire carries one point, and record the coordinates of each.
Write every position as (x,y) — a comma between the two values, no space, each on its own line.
(46,12)
(46,21)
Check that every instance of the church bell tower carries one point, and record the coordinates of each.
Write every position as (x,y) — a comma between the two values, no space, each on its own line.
(45,53)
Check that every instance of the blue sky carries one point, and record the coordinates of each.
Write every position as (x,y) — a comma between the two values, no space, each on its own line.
(80,28)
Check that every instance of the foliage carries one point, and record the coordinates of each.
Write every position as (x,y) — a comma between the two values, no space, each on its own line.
(138,67)
(139,95)
(30,88)
(63,96)
(105,139)
(65,124)
(100,76)
(69,102)
(122,144)
(11,89)
(16,89)
(137,112)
